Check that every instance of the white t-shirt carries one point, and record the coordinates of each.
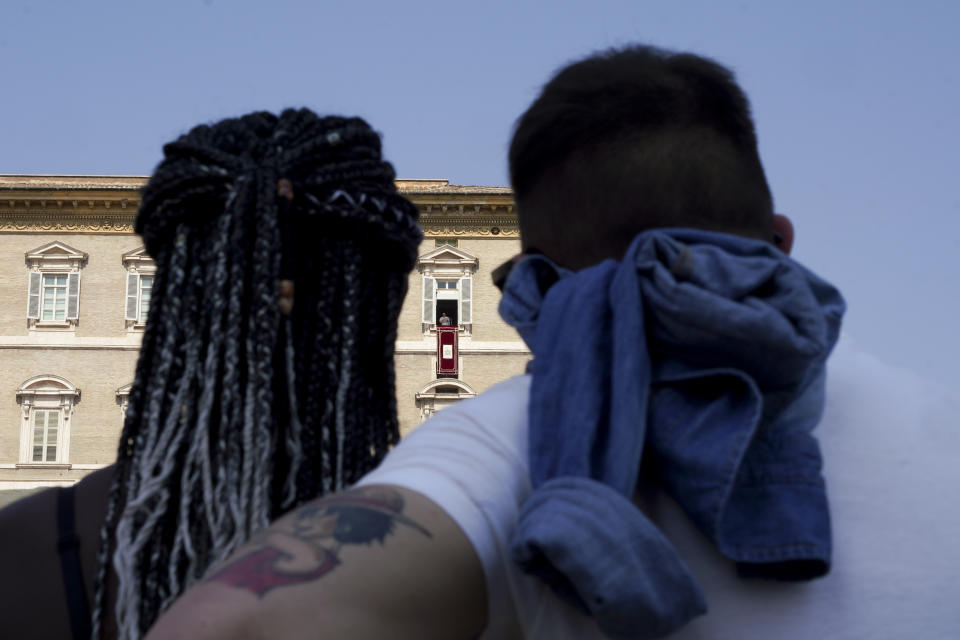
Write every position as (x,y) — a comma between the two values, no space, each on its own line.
(891,449)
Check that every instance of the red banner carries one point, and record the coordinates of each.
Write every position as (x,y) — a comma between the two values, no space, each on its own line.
(446,350)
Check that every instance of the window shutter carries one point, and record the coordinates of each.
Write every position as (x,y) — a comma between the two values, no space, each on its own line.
(73,295)
(429,297)
(53,436)
(33,295)
(466,300)
(133,289)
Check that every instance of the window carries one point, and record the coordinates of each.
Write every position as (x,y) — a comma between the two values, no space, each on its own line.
(123,399)
(54,297)
(447,294)
(140,270)
(447,390)
(53,285)
(448,299)
(146,287)
(439,394)
(46,407)
(139,288)
(46,424)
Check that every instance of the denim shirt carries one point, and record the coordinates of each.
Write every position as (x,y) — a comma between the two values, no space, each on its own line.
(704,353)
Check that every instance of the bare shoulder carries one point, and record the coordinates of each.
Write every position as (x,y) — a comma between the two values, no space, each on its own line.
(376,561)
(34,603)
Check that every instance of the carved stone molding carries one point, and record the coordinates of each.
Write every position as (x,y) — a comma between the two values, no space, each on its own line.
(56,256)
(483,228)
(48,221)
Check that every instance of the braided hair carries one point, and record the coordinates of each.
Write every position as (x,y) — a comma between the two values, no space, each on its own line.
(239,412)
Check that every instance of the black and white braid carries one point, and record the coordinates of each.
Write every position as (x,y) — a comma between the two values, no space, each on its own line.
(238,413)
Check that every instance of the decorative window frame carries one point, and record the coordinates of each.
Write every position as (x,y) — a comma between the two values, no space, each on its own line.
(54,258)
(429,401)
(136,264)
(447,262)
(46,392)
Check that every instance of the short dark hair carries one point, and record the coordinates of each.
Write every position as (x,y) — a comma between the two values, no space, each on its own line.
(633,139)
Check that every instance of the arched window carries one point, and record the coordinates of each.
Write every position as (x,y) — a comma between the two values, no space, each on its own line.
(46,408)
(439,394)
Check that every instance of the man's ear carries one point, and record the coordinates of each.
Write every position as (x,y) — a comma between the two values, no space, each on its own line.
(784,230)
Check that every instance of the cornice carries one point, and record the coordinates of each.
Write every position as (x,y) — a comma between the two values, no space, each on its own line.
(70,183)
(69,204)
(108,204)
(444,188)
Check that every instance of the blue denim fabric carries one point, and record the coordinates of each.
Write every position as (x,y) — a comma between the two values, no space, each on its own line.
(708,349)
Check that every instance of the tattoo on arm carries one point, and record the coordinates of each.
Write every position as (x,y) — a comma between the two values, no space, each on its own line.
(308,548)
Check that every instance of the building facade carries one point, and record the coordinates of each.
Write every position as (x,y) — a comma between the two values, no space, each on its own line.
(75,288)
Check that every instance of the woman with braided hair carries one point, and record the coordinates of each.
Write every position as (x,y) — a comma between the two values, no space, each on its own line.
(266,374)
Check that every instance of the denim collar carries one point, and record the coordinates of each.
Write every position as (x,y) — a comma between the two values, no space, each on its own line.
(706,352)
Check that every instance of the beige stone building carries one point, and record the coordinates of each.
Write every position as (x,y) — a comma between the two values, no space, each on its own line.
(75,286)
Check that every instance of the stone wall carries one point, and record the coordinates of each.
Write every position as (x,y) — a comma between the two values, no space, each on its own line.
(97,356)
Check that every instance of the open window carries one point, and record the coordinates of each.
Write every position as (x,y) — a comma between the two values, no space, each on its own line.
(140,273)
(46,408)
(53,285)
(447,296)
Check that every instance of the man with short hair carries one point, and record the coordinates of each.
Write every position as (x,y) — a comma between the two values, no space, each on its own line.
(642,202)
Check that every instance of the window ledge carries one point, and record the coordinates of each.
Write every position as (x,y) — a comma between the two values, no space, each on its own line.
(53,324)
(463,329)
(44,465)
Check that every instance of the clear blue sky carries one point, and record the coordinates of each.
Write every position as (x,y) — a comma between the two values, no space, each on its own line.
(857,107)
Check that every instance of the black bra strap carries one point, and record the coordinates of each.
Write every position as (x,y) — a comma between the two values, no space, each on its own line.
(68,544)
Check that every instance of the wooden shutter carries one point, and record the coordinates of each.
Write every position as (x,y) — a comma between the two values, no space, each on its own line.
(466,300)
(33,295)
(133,295)
(429,300)
(73,295)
